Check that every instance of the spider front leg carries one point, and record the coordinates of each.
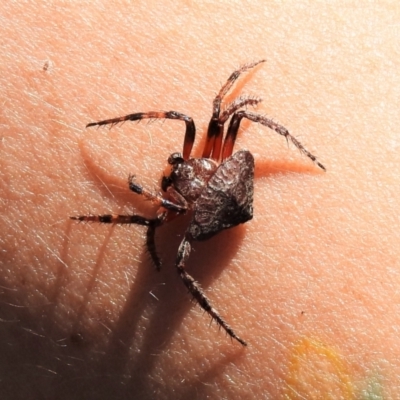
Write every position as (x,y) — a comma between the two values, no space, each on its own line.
(190,133)
(234,128)
(216,126)
(196,291)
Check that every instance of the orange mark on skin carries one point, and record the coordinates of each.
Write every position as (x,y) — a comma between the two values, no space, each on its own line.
(316,371)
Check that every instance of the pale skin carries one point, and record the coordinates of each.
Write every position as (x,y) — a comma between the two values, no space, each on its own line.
(314,276)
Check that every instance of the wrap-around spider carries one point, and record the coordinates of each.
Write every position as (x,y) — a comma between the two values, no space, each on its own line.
(217,188)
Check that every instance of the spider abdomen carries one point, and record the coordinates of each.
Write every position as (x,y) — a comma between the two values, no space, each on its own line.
(227,200)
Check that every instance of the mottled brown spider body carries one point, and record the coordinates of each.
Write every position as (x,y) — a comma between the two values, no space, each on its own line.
(217,188)
(189,177)
(220,196)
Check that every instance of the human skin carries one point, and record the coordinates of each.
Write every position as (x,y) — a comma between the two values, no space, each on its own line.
(311,283)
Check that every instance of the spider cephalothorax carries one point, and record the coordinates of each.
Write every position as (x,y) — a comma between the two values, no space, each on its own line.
(217,188)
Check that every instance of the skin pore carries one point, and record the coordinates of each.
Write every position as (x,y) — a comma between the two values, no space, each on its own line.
(311,283)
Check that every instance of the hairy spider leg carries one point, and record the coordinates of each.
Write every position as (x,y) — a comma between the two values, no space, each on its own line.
(151,239)
(196,291)
(216,127)
(157,199)
(151,224)
(236,105)
(168,211)
(224,116)
(190,133)
(234,128)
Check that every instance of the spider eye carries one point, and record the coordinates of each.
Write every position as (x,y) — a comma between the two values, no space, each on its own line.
(175,158)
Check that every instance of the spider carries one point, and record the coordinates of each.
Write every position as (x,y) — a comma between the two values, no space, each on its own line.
(217,188)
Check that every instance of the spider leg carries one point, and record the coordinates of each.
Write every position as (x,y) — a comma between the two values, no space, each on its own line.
(232,107)
(215,128)
(236,105)
(168,211)
(234,127)
(152,225)
(151,236)
(157,199)
(190,127)
(196,291)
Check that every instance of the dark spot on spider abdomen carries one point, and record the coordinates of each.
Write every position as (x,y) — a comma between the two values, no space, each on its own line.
(227,200)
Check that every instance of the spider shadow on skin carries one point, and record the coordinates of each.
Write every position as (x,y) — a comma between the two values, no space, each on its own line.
(206,263)
(146,325)
(173,302)
(108,186)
